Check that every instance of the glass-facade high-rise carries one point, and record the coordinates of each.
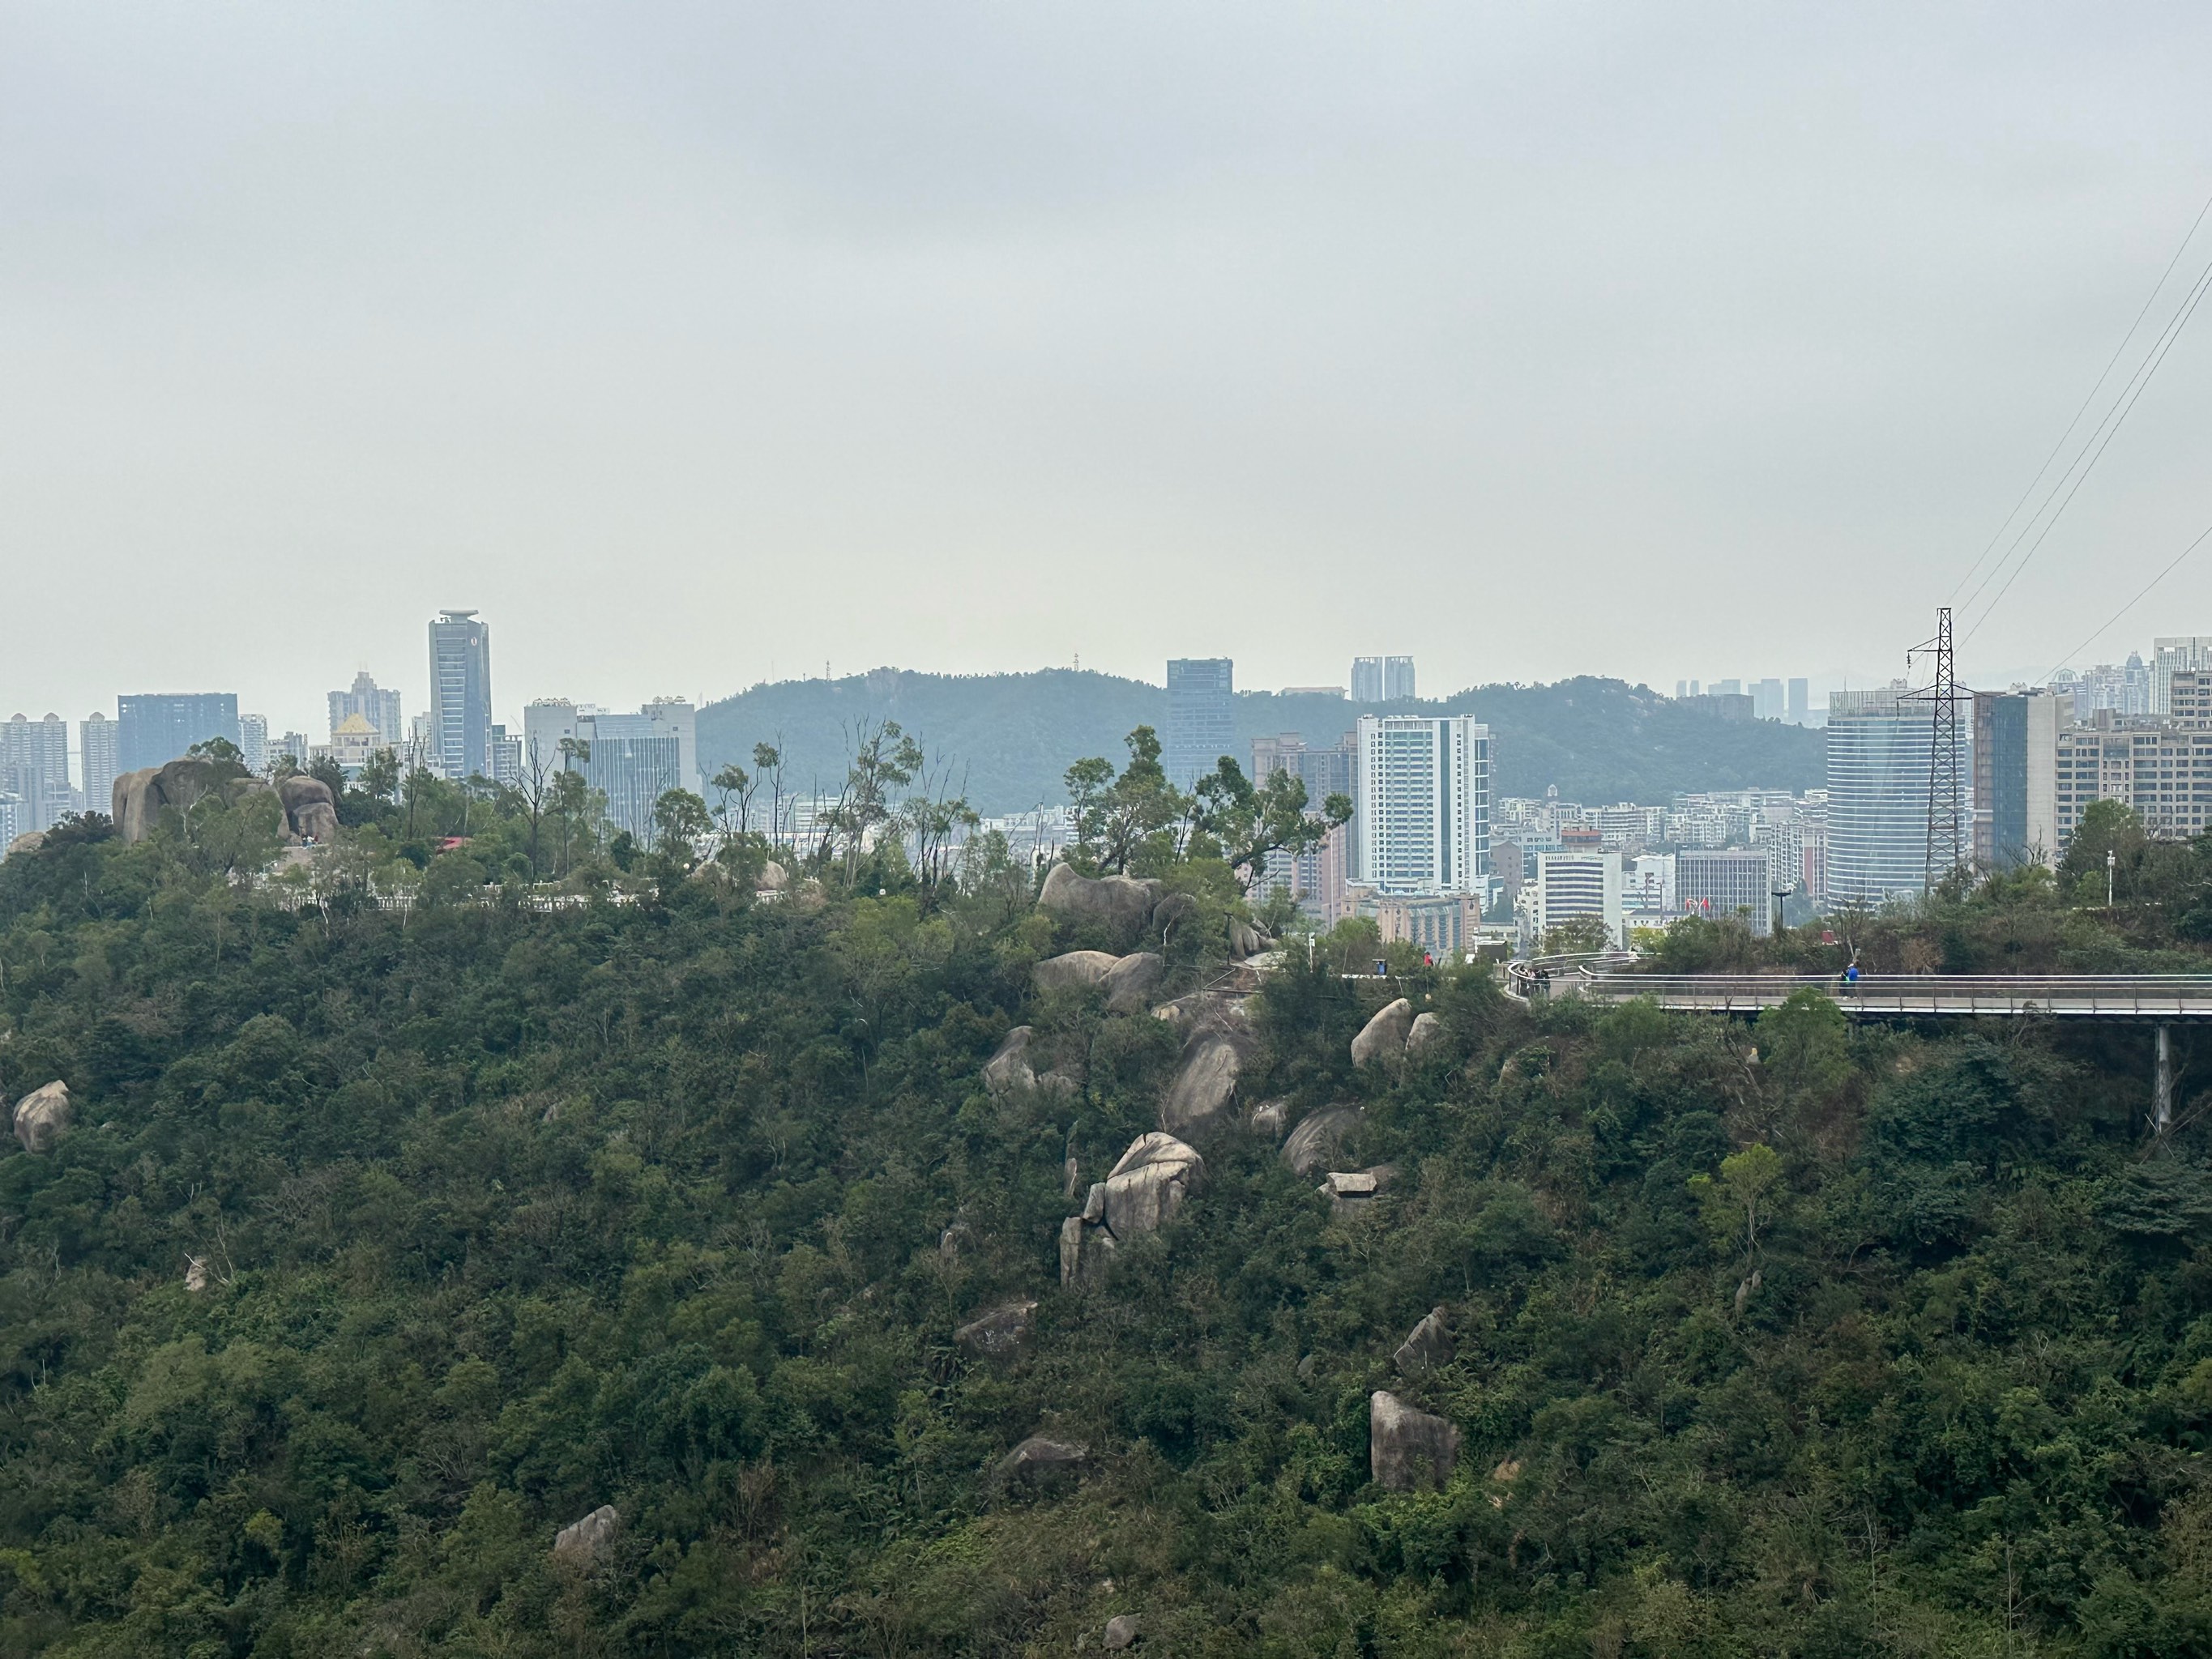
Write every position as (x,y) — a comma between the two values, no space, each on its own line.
(632,759)
(1381,680)
(155,727)
(1422,803)
(1879,744)
(460,696)
(1202,718)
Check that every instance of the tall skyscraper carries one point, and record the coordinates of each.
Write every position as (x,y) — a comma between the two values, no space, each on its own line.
(1766,703)
(155,727)
(34,769)
(2015,777)
(460,696)
(1201,717)
(1381,680)
(254,743)
(1801,704)
(1422,803)
(1878,767)
(377,705)
(95,735)
(2169,656)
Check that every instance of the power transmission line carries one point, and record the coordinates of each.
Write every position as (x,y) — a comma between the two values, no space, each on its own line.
(2109,427)
(2140,594)
(2149,299)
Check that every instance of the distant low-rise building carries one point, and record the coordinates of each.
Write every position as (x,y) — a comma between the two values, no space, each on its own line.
(1575,884)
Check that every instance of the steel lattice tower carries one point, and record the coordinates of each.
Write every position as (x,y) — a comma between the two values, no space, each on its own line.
(1946,787)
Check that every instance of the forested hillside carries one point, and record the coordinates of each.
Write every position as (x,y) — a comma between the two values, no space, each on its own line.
(1012,735)
(386,1242)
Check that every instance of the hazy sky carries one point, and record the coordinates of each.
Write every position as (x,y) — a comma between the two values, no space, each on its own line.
(697,344)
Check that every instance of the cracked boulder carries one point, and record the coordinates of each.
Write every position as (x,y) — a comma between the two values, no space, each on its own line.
(1383,1037)
(1408,1448)
(1140,1194)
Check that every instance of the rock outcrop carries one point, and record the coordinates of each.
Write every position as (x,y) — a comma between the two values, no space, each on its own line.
(999,1333)
(1315,1141)
(1245,939)
(1123,1631)
(1268,1118)
(1131,981)
(311,812)
(1140,1194)
(1010,1068)
(586,1542)
(1124,903)
(1351,1192)
(196,1275)
(42,1116)
(1203,1099)
(1383,1037)
(1207,1009)
(30,841)
(1039,1462)
(1082,968)
(1408,1448)
(1425,1033)
(1428,1346)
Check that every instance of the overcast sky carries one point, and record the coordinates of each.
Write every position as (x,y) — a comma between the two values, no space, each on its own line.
(695,345)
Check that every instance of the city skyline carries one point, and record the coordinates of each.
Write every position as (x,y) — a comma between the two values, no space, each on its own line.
(1178,302)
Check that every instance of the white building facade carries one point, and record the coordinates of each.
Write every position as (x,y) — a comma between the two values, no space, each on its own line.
(1422,803)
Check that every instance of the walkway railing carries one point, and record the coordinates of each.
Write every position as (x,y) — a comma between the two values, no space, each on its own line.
(2088,996)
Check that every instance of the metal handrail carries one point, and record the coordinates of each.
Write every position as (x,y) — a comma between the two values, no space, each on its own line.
(1937,994)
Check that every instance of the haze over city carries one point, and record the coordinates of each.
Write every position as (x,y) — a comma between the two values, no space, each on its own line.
(707,345)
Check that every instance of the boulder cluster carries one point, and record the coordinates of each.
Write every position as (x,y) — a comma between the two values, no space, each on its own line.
(311,814)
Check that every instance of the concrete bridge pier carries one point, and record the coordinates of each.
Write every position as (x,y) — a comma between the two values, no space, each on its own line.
(2161,1109)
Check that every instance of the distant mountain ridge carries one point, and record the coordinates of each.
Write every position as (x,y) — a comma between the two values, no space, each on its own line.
(1014,735)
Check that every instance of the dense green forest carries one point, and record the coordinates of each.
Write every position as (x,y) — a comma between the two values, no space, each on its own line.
(1597,740)
(403,1222)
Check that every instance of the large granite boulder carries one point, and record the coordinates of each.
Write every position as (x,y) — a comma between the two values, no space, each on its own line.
(1268,1118)
(1131,981)
(999,1333)
(1383,1037)
(1140,1194)
(42,1116)
(1426,1032)
(138,798)
(1428,1346)
(1408,1448)
(1010,1068)
(30,841)
(1316,1138)
(1124,903)
(311,812)
(1123,1631)
(1207,1009)
(1244,940)
(1203,1099)
(1080,969)
(586,1542)
(1039,1462)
